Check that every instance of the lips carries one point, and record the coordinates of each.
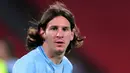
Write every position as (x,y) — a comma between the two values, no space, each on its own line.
(59,42)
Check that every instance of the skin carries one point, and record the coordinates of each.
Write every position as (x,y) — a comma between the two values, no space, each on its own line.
(57,37)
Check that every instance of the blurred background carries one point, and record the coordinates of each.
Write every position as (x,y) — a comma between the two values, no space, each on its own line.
(105,23)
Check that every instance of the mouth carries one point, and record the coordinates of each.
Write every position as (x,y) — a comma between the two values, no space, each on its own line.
(60,43)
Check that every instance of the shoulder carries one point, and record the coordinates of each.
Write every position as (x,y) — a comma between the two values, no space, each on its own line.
(26,63)
(29,57)
(67,62)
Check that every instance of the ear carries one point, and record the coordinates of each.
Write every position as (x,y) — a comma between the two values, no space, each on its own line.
(42,33)
(72,35)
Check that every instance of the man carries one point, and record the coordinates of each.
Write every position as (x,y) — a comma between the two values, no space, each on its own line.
(55,35)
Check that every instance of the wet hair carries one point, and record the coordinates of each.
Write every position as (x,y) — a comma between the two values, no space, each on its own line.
(56,9)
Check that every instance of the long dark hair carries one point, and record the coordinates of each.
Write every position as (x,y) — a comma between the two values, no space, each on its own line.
(56,9)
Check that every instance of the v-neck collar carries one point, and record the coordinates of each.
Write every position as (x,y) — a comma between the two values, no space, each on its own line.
(41,49)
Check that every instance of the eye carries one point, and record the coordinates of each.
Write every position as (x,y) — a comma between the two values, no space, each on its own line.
(66,28)
(54,28)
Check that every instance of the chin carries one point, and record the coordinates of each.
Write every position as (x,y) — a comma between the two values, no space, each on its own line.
(60,50)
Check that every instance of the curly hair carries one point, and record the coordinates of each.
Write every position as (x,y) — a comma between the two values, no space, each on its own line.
(56,9)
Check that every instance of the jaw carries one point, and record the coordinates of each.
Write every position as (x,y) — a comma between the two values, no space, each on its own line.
(55,48)
(60,49)
(60,52)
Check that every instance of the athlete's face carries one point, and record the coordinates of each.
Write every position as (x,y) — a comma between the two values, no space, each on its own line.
(58,34)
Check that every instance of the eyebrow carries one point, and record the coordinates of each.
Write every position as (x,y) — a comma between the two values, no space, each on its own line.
(66,27)
(58,26)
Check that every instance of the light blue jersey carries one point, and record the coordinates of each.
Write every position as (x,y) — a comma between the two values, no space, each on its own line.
(37,61)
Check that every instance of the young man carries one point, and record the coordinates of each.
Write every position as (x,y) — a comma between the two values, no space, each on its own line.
(55,35)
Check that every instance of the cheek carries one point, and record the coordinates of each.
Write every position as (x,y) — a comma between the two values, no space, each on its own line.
(68,37)
(49,37)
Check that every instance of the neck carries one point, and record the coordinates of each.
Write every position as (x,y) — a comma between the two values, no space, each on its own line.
(56,58)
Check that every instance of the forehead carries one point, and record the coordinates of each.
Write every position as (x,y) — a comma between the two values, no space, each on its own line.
(59,21)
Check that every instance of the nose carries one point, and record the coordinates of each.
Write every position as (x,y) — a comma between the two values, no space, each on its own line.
(59,34)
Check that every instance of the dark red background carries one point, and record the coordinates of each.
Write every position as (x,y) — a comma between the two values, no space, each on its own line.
(105,23)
